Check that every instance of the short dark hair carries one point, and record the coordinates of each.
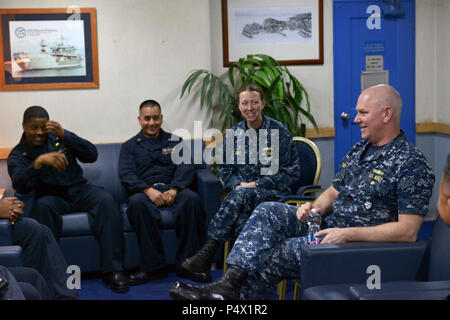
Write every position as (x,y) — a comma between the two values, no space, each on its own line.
(35,112)
(252,87)
(149,103)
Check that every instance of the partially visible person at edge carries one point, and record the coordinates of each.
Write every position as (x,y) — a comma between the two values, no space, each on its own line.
(42,258)
(444,194)
(22,283)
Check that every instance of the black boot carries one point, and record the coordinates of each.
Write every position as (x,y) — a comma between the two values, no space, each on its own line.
(202,260)
(227,287)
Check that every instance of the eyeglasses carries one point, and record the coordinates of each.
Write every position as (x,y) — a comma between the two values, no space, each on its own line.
(253,103)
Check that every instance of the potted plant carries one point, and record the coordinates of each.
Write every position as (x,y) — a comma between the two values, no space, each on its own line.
(286,98)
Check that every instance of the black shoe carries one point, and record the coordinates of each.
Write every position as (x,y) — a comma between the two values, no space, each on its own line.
(142,277)
(184,291)
(196,276)
(226,288)
(117,281)
(202,260)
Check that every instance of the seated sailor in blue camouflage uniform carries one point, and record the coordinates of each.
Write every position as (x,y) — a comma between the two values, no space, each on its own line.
(381,193)
(247,175)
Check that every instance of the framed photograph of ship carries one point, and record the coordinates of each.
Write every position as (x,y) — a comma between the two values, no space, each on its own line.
(48,49)
(291,31)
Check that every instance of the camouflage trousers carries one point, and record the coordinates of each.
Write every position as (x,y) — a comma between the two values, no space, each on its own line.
(235,210)
(268,248)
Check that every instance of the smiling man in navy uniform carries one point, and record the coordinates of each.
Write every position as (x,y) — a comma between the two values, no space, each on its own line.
(154,181)
(45,161)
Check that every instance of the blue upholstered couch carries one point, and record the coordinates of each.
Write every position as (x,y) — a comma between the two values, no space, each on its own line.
(77,241)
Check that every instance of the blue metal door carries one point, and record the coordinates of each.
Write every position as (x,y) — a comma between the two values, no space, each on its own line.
(373,43)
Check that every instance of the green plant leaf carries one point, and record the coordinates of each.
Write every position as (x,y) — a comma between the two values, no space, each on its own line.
(231,75)
(211,90)
(192,81)
(187,82)
(263,76)
(204,87)
(250,68)
(286,99)
(254,61)
(267,59)
(270,72)
(258,80)
(274,84)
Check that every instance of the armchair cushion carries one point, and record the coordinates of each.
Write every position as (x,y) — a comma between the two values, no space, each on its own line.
(440,253)
(402,290)
(209,189)
(326,264)
(425,295)
(311,188)
(327,292)
(11,256)
(5,232)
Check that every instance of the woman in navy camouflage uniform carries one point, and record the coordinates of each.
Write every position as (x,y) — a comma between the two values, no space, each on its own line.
(247,175)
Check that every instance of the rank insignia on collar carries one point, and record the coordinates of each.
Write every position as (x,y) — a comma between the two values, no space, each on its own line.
(367,205)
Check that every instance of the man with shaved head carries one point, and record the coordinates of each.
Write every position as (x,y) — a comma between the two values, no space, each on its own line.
(380,194)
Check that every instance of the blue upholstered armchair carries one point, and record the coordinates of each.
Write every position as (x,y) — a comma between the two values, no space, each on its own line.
(419,270)
(9,255)
(311,168)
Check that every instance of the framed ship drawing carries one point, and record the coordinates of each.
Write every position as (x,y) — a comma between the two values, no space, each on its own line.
(48,49)
(291,31)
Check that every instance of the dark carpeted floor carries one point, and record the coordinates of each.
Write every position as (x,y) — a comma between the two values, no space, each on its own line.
(92,288)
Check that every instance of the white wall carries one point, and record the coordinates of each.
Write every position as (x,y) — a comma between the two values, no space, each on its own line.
(426,37)
(432,63)
(147,47)
(317,79)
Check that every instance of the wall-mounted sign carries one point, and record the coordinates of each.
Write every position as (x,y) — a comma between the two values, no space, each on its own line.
(374,63)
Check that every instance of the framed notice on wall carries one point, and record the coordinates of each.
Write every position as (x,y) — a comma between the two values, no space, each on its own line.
(291,31)
(48,49)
